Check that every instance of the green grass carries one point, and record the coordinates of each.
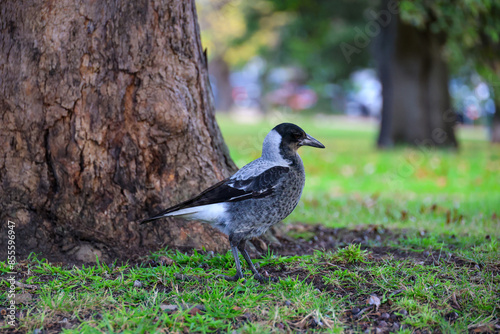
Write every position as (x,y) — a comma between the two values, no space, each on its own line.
(433,262)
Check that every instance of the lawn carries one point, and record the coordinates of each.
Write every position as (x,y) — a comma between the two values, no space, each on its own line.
(403,240)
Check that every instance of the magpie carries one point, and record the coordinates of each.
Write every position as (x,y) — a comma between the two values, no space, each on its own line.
(259,195)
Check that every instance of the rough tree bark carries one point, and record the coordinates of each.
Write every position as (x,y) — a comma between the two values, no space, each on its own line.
(106,115)
(416,107)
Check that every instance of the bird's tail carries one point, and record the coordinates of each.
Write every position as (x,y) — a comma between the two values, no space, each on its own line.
(206,213)
(188,213)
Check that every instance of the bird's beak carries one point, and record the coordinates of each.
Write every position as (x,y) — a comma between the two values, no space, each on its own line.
(310,141)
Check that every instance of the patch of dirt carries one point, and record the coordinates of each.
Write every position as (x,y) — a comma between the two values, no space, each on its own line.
(324,238)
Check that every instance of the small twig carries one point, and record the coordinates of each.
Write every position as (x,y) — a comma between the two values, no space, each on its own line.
(360,313)
(300,324)
(331,265)
(454,299)
(432,287)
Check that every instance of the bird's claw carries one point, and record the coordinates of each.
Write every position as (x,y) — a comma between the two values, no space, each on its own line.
(234,278)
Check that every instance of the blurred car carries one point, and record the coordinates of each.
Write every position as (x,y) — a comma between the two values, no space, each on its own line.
(365,98)
(293,96)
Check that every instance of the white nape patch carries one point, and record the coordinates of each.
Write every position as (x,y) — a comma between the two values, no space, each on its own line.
(271,149)
(211,213)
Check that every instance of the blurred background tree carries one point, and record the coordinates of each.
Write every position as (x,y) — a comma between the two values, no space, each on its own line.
(472,30)
(416,105)
(349,56)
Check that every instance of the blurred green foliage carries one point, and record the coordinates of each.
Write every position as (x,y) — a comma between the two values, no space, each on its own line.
(312,35)
(472,30)
(224,25)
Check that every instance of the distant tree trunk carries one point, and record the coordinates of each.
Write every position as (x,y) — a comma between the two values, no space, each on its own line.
(416,108)
(219,70)
(495,122)
(106,116)
(384,53)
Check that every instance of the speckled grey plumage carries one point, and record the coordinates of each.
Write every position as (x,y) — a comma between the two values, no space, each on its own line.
(259,195)
(251,218)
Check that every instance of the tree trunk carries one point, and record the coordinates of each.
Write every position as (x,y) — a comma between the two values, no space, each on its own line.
(385,47)
(419,103)
(106,117)
(495,122)
(220,72)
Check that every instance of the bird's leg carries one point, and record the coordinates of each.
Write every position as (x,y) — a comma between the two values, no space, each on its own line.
(239,274)
(256,274)
(241,248)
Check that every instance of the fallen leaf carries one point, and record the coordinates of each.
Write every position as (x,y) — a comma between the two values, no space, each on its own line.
(374,300)
(236,308)
(165,261)
(483,329)
(454,299)
(169,307)
(23,298)
(195,311)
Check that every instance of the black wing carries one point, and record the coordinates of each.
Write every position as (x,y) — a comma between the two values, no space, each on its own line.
(230,190)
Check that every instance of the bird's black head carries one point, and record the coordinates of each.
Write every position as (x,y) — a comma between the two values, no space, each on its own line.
(293,137)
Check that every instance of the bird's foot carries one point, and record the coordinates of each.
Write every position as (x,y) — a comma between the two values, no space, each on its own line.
(266,279)
(231,278)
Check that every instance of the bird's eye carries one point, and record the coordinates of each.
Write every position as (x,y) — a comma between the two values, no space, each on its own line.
(297,135)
